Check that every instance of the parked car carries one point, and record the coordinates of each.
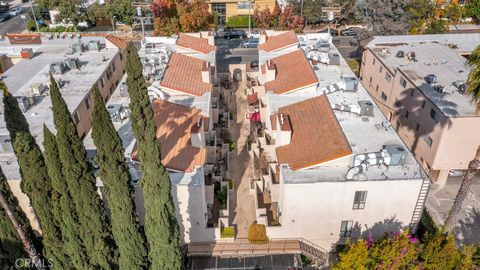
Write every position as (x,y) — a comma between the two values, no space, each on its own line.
(235,34)
(352,31)
(254,34)
(333,32)
(15,11)
(4,17)
(251,43)
(254,64)
(456,173)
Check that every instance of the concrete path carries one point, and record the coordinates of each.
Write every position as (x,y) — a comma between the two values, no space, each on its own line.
(440,201)
(242,204)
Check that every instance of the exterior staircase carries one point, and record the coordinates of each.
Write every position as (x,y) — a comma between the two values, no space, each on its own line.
(421,200)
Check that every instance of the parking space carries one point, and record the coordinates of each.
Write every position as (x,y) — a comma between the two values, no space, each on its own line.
(230,51)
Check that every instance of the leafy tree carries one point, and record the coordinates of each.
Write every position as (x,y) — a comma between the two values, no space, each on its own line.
(264,19)
(347,14)
(161,227)
(311,10)
(35,181)
(11,244)
(73,11)
(122,10)
(472,9)
(473,89)
(453,13)
(423,18)
(384,17)
(81,185)
(194,16)
(354,257)
(289,21)
(118,189)
(439,252)
(64,208)
(396,252)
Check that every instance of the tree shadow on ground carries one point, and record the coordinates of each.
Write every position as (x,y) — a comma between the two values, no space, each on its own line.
(469,228)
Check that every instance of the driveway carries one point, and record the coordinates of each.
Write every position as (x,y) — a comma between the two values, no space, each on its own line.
(440,201)
(232,52)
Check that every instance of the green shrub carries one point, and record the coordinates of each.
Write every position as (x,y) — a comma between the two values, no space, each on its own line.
(230,183)
(222,197)
(31,26)
(231,146)
(58,29)
(426,224)
(227,232)
(239,21)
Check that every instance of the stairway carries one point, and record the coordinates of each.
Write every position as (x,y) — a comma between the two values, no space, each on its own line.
(422,198)
(312,251)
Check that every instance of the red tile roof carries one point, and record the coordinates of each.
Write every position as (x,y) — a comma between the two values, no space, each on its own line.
(252,99)
(118,42)
(292,71)
(195,43)
(309,148)
(175,123)
(184,74)
(279,42)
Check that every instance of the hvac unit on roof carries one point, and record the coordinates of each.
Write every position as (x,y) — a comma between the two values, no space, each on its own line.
(58,68)
(117,112)
(38,88)
(461,86)
(5,144)
(334,59)
(400,54)
(366,108)
(431,79)
(439,88)
(77,47)
(351,84)
(412,57)
(94,45)
(73,63)
(22,103)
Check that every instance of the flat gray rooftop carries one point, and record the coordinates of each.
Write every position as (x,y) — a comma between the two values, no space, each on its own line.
(364,134)
(434,57)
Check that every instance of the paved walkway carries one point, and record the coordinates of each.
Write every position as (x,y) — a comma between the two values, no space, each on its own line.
(440,201)
(242,203)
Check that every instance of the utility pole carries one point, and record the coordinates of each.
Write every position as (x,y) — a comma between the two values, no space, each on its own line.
(139,6)
(34,17)
(249,17)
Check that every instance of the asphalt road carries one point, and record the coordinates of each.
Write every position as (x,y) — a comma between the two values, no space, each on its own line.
(231,52)
(13,25)
(346,50)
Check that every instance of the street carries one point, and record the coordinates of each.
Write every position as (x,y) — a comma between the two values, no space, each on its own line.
(231,52)
(346,50)
(15,24)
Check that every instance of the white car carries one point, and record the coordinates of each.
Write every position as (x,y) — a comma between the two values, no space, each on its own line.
(456,173)
(15,11)
(254,34)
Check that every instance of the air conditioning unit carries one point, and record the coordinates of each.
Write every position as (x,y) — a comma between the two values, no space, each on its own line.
(58,68)
(73,63)
(334,59)
(439,88)
(351,84)
(117,112)
(461,86)
(431,79)
(23,103)
(366,108)
(94,45)
(400,54)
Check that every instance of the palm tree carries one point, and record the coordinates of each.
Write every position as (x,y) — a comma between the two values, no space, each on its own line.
(474,91)
(27,244)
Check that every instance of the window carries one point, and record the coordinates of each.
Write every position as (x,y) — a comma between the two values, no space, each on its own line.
(102,83)
(388,77)
(433,115)
(87,101)
(76,117)
(121,56)
(412,92)
(406,114)
(370,79)
(244,5)
(417,128)
(428,140)
(376,88)
(113,66)
(423,104)
(403,82)
(381,69)
(374,61)
(359,200)
(384,97)
(346,228)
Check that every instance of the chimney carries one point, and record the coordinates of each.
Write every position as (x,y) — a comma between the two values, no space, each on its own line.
(270,71)
(283,134)
(263,37)
(211,38)
(206,72)
(197,136)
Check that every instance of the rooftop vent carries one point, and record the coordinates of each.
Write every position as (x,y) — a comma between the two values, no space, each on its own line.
(77,47)
(400,54)
(117,112)
(94,45)
(58,68)
(23,103)
(412,57)
(439,88)
(431,79)
(366,108)
(73,63)
(461,86)
(38,88)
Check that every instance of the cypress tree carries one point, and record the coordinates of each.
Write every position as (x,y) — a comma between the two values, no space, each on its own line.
(64,209)
(35,181)
(118,189)
(80,181)
(11,247)
(161,227)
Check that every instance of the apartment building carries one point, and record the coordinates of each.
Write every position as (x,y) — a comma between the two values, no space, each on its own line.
(419,84)
(329,166)
(78,63)
(228,8)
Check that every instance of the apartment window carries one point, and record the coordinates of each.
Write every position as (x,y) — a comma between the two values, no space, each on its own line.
(359,200)
(346,228)
(398,103)
(102,83)
(376,88)
(407,113)
(113,66)
(423,104)
(370,79)
(76,117)
(87,102)
(388,78)
(433,115)
(384,96)
(374,61)
(381,69)
(121,56)
(417,128)
(403,82)
(428,140)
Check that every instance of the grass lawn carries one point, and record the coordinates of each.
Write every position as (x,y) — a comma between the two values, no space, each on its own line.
(354,65)
(227,232)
